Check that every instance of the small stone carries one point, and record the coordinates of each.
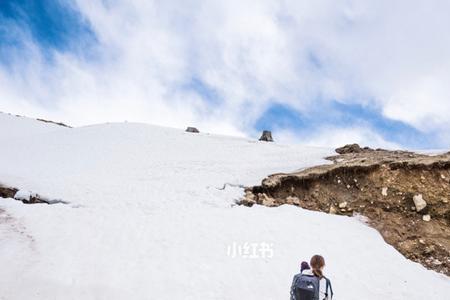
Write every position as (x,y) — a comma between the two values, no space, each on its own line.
(419,202)
(343,204)
(413,208)
(266,200)
(426,218)
(429,250)
(248,201)
(293,200)
(355,180)
(437,262)
(422,242)
(442,176)
(384,191)
(339,181)
(348,186)
(444,200)
(332,210)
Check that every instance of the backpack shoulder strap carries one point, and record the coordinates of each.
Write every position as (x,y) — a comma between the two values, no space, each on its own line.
(328,287)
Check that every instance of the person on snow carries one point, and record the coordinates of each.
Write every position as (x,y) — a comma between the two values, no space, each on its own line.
(304,266)
(311,284)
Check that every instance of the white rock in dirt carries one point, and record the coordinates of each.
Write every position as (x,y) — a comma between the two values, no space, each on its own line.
(444,200)
(419,202)
(426,218)
(332,210)
(343,204)
(384,191)
(293,200)
(266,200)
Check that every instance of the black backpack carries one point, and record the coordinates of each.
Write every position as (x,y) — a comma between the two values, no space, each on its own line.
(307,287)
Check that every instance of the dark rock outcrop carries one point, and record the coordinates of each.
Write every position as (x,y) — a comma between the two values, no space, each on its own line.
(192,129)
(350,148)
(53,122)
(266,136)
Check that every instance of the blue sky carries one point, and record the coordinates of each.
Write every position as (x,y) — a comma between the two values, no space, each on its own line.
(338,114)
(312,73)
(51,24)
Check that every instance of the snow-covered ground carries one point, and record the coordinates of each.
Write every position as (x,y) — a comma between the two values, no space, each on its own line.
(147,219)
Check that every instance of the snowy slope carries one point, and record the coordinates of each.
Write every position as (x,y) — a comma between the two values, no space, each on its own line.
(147,220)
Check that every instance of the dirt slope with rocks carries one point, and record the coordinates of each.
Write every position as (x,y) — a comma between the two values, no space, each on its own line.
(404,195)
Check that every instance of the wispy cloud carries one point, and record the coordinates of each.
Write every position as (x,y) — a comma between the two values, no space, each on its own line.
(221,65)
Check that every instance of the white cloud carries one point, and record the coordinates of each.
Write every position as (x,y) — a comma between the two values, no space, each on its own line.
(333,137)
(394,55)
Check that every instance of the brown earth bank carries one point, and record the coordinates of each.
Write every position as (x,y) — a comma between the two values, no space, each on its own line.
(7,192)
(404,195)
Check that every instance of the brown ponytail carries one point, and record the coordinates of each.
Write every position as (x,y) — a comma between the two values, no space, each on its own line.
(317,263)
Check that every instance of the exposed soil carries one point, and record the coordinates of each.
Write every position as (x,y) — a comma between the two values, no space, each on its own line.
(379,185)
(7,192)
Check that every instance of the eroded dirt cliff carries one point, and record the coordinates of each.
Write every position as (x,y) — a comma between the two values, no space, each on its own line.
(404,195)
